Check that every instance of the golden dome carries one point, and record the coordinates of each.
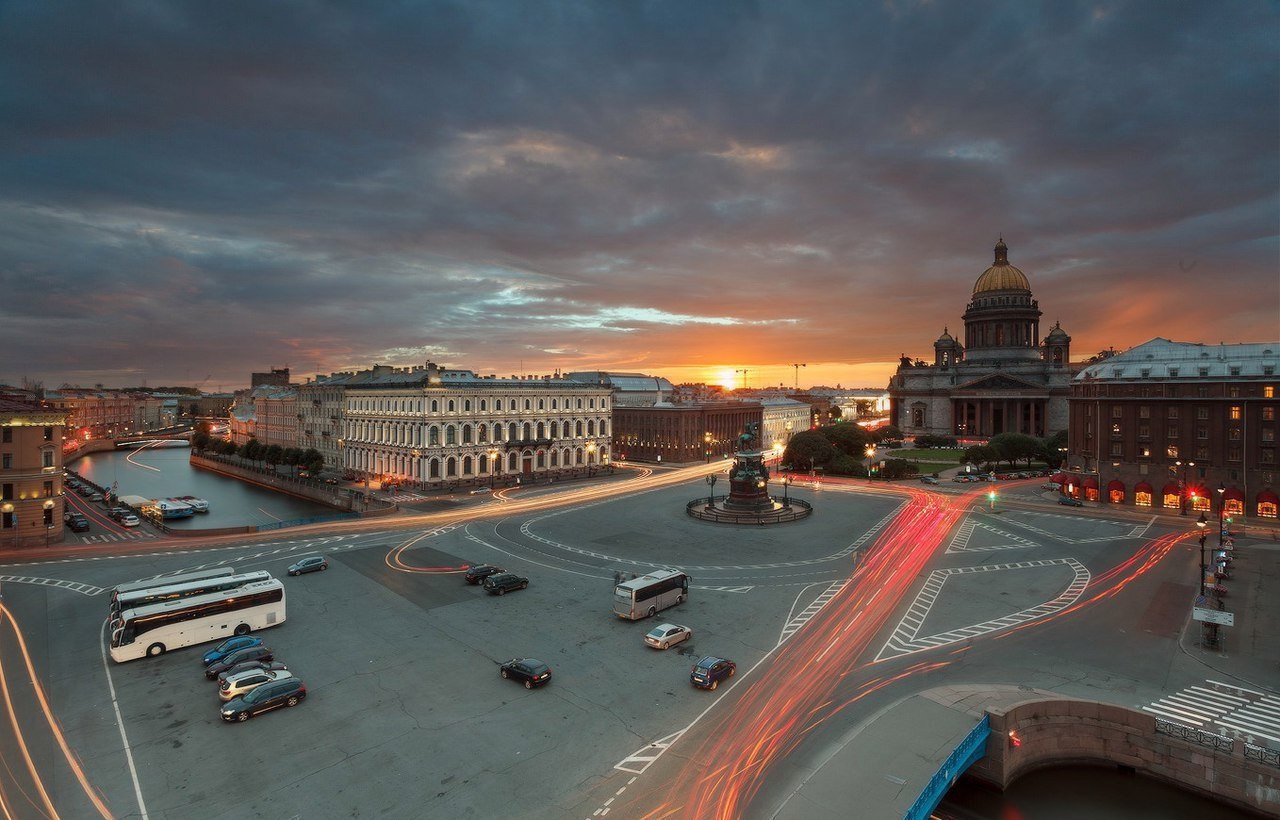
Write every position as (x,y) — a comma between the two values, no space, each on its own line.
(1001,275)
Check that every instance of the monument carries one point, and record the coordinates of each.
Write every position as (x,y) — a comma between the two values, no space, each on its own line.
(748,501)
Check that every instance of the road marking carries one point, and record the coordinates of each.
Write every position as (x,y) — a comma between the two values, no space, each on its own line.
(1236,711)
(795,622)
(74,586)
(124,738)
(638,761)
(960,542)
(905,639)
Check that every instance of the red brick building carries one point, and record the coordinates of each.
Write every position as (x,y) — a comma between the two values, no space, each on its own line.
(681,433)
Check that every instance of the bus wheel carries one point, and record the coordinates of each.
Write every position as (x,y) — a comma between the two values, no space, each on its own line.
(653,611)
(155,649)
(242,629)
(679,599)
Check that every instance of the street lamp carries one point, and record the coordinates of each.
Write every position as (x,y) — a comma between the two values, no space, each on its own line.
(494,466)
(711,482)
(706,445)
(1222,509)
(591,456)
(871,453)
(1182,486)
(1202,523)
(786,499)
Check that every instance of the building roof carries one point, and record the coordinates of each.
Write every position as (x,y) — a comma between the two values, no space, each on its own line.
(625,382)
(1164,359)
(1001,275)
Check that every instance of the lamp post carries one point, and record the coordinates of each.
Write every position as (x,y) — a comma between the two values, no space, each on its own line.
(1202,523)
(871,454)
(1222,509)
(591,457)
(706,445)
(711,482)
(786,499)
(493,466)
(1182,485)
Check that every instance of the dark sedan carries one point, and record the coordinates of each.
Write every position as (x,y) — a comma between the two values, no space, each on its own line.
(501,583)
(253,653)
(288,692)
(530,671)
(709,671)
(228,646)
(476,574)
(1070,501)
(78,523)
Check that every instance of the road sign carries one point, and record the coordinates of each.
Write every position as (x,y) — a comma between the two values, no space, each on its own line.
(1213,616)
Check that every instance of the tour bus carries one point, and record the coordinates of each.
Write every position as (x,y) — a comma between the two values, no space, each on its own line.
(190,589)
(180,578)
(155,629)
(642,597)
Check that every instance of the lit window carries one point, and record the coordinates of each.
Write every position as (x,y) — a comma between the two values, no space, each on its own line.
(1235,412)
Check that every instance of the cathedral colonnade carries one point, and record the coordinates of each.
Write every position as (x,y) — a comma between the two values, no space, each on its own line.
(987,417)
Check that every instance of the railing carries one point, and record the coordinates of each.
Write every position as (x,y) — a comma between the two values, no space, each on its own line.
(970,750)
(299,522)
(699,508)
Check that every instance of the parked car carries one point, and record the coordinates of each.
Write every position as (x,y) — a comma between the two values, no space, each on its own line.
(230,645)
(85,490)
(130,520)
(288,692)
(928,479)
(68,514)
(531,671)
(316,563)
(253,653)
(249,666)
(476,574)
(502,582)
(663,636)
(241,683)
(709,671)
(78,523)
(1070,501)
(118,513)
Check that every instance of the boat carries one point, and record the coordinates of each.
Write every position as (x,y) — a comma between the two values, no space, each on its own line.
(197,504)
(168,509)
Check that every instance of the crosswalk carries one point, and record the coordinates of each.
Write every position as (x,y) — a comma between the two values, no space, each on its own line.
(1224,708)
(108,537)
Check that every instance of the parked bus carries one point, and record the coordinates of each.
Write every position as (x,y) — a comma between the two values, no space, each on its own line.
(190,589)
(155,629)
(642,597)
(180,578)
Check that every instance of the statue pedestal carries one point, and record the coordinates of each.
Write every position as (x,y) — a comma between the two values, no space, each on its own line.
(749,483)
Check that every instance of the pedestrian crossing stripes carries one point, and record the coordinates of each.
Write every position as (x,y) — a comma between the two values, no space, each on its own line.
(106,538)
(793,626)
(74,586)
(960,542)
(638,761)
(1131,530)
(1224,708)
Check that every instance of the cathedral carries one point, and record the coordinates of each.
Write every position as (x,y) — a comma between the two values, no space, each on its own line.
(1003,379)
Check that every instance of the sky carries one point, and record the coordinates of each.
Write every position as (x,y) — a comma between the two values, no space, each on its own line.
(191,192)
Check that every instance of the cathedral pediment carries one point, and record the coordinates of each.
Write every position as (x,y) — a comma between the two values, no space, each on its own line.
(1000,381)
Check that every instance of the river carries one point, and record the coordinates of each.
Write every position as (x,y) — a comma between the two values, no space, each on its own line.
(166,472)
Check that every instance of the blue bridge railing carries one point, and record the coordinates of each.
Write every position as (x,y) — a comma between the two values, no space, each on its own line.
(298,522)
(970,750)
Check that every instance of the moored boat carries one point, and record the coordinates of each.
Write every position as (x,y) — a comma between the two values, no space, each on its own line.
(170,508)
(197,504)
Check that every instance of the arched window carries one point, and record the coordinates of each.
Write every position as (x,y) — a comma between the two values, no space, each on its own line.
(450,435)
(433,436)
(541,460)
(604,427)
(497,405)
(466,465)
(578,456)
(435,405)
(555,458)
(527,405)
(513,432)
(578,430)
(466,436)
(451,405)
(482,432)
(497,432)
(542,404)
(513,463)
(579,404)
(451,467)
(555,428)
(466,406)
(591,427)
(553,404)
(527,430)
(435,468)
(541,430)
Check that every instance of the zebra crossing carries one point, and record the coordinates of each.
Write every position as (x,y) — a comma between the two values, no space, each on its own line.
(1224,708)
(108,537)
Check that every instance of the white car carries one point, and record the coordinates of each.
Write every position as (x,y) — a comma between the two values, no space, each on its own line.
(130,520)
(242,682)
(664,635)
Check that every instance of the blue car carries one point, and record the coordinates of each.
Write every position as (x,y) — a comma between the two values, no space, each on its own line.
(1068,501)
(228,646)
(709,671)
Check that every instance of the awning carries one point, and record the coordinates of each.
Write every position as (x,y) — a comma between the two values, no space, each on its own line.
(1233,494)
(1268,497)
(1058,478)
(1119,485)
(1170,489)
(1142,487)
(1090,483)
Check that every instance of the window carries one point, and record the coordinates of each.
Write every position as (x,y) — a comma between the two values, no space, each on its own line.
(1204,372)
(46,458)
(1268,434)
(48,434)
(1117,412)
(1171,451)
(1268,414)
(1144,412)
(497,405)
(452,405)
(1173,372)
(1117,449)
(1233,434)
(466,438)
(1144,431)
(1233,454)
(6,434)
(6,492)
(1144,452)
(542,404)
(466,407)
(1202,433)
(1267,456)
(451,467)
(450,436)
(6,461)
(433,436)
(1268,392)
(1202,413)
(48,489)
(1233,392)
(48,516)
(484,405)
(1202,453)
(435,405)
(1235,412)
(1173,413)
(527,405)
(1235,371)
(1172,432)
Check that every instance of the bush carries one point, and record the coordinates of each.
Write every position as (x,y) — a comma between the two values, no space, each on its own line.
(846,465)
(895,468)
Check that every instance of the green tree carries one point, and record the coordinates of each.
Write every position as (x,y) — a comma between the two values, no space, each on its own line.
(895,468)
(200,441)
(312,460)
(227,447)
(291,457)
(1052,448)
(273,455)
(980,456)
(809,449)
(1014,447)
(847,438)
(252,450)
(842,464)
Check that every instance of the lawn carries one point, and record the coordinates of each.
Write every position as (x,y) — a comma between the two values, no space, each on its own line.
(928,461)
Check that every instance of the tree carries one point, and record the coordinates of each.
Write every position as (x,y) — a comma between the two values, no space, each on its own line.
(312,460)
(895,468)
(200,441)
(273,455)
(1014,447)
(291,457)
(981,456)
(847,438)
(1051,448)
(227,447)
(252,450)
(843,464)
(809,449)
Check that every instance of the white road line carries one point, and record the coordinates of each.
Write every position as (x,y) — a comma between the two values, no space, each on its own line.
(1176,714)
(124,738)
(1233,687)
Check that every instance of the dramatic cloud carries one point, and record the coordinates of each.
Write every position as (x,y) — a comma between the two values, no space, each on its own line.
(687,189)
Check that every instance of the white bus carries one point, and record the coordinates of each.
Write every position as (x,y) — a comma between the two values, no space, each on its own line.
(180,578)
(642,597)
(155,629)
(189,589)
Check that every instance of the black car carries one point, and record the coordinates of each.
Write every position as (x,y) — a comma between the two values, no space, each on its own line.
(78,523)
(503,581)
(477,573)
(709,671)
(1070,501)
(253,653)
(531,671)
(288,692)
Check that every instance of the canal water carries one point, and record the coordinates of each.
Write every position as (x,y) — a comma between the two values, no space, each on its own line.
(1074,792)
(163,473)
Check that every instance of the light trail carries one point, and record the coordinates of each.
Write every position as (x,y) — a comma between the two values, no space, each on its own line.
(129,458)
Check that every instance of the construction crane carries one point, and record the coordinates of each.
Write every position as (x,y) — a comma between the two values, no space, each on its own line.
(797,367)
(744,378)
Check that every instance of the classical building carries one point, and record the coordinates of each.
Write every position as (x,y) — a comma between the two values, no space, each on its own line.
(430,426)
(31,502)
(1002,379)
(682,433)
(320,408)
(781,418)
(1178,426)
(629,389)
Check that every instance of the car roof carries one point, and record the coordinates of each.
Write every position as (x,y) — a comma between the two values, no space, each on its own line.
(708,661)
(280,674)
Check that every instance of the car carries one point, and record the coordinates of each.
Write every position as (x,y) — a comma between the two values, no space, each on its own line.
(316,563)
(1070,501)
(531,671)
(78,523)
(97,497)
(241,683)
(249,666)
(130,520)
(85,490)
(709,671)
(928,479)
(477,573)
(502,582)
(253,653)
(663,636)
(228,646)
(268,696)
(117,513)
(68,514)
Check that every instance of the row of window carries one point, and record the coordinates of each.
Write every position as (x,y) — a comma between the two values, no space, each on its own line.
(1266,435)
(1235,412)
(468,466)
(1173,501)
(1203,391)
(411,436)
(1235,454)
(419,405)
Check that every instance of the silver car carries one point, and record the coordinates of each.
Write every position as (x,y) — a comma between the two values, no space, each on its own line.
(664,635)
(238,684)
